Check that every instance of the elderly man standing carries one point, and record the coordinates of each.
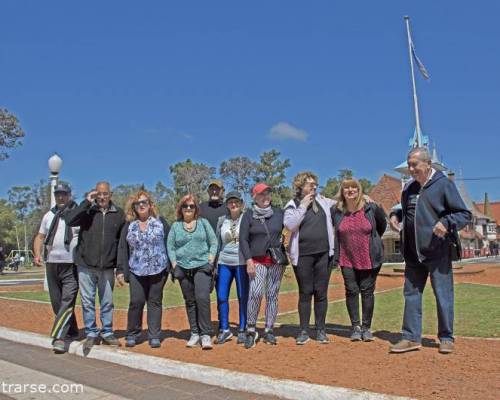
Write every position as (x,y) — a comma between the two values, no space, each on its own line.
(214,208)
(59,240)
(100,224)
(431,212)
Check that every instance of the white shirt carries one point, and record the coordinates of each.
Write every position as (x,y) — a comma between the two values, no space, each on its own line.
(58,253)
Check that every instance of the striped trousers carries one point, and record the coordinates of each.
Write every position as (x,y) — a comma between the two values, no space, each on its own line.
(267,279)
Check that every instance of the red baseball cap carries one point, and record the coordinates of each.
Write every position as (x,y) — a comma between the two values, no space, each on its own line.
(259,188)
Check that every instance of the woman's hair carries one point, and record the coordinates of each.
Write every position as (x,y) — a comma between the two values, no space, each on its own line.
(300,180)
(183,200)
(131,213)
(341,201)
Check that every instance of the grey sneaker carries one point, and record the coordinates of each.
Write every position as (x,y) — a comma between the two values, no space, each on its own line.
(88,343)
(446,347)
(154,343)
(269,338)
(58,346)
(404,345)
(303,338)
(242,336)
(367,335)
(206,342)
(251,339)
(356,334)
(194,340)
(321,337)
(223,337)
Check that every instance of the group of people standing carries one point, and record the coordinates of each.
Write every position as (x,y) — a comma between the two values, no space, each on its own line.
(213,244)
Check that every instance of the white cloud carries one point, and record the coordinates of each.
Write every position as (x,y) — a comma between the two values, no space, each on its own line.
(285,131)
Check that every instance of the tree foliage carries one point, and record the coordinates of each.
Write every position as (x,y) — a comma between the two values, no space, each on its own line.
(272,170)
(190,177)
(11,133)
(332,184)
(238,173)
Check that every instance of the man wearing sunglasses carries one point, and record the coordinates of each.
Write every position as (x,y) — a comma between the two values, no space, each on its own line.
(100,224)
(214,208)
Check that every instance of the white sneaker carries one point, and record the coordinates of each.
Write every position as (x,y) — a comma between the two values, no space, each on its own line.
(206,342)
(193,340)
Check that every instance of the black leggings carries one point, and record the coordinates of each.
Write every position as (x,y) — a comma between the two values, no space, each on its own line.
(358,281)
(313,275)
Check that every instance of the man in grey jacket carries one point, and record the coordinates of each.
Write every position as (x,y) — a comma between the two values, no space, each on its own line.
(431,212)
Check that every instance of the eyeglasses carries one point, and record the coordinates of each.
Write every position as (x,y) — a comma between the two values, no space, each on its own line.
(140,203)
(103,194)
(188,206)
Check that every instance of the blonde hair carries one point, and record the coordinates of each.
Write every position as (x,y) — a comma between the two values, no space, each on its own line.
(300,180)
(132,214)
(341,200)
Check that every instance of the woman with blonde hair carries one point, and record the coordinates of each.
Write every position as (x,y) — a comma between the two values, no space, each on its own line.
(359,226)
(192,247)
(144,264)
(307,217)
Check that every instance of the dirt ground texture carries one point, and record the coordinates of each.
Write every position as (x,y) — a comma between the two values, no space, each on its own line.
(472,372)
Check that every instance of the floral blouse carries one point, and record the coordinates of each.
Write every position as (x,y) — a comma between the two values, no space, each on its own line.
(148,254)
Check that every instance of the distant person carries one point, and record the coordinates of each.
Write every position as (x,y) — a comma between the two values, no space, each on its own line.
(260,230)
(192,247)
(431,210)
(59,240)
(308,219)
(100,222)
(2,260)
(231,266)
(143,263)
(214,208)
(359,227)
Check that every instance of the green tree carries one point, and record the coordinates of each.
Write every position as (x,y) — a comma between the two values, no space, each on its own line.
(332,184)
(122,192)
(190,177)
(238,172)
(165,201)
(272,170)
(331,188)
(7,226)
(11,133)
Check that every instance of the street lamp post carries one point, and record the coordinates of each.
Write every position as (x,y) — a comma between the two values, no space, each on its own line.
(55,164)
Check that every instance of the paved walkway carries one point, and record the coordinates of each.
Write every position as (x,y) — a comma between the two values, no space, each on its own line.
(91,379)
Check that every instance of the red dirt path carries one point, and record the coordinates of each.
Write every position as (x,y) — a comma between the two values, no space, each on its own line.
(472,372)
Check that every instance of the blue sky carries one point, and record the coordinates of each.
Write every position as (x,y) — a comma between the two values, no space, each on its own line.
(121,90)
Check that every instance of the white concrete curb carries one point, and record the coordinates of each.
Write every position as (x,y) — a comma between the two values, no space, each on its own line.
(239,381)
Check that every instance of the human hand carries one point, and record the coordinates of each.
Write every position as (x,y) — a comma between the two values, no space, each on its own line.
(394,223)
(91,196)
(440,230)
(307,200)
(250,268)
(120,280)
(38,261)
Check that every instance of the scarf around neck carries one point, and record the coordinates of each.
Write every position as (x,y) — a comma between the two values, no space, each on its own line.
(58,214)
(262,213)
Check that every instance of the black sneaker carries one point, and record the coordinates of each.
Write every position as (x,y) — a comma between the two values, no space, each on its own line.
(58,346)
(303,338)
(242,336)
(322,337)
(251,339)
(269,338)
(130,342)
(154,343)
(356,334)
(88,343)
(224,336)
(111,340)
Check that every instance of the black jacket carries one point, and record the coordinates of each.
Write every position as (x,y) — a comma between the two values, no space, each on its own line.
(254,241)
(376,217)
(439,200)
(99,234)
(123,266)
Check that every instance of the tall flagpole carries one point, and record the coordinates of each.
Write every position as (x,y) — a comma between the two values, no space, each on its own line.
(415,100)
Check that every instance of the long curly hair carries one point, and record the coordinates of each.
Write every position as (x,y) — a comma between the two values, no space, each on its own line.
(131,214)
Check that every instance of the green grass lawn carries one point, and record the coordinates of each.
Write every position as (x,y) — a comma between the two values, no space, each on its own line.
(172,295)
(8,276)
(476,311)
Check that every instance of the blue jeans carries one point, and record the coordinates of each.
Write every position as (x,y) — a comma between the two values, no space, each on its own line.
(441,275)
(225,277)
(102,281)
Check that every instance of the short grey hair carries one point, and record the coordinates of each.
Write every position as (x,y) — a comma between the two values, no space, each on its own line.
(423,154)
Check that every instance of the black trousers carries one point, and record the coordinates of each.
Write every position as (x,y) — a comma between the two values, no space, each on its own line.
(145,289)
(196,285)
(360,281)
(62,280)
(313,275)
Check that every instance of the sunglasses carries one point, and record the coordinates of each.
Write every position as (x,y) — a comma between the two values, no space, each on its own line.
(188,206)
(140,203)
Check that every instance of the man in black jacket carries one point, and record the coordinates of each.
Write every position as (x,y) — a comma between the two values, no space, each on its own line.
(431,212)
(100,224)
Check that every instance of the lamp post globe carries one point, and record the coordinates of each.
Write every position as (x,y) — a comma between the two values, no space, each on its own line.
(55,164)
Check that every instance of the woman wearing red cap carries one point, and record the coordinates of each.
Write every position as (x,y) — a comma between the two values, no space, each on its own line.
(260,234)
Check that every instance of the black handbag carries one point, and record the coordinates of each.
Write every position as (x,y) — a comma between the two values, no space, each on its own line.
(277,253)
(455,248)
